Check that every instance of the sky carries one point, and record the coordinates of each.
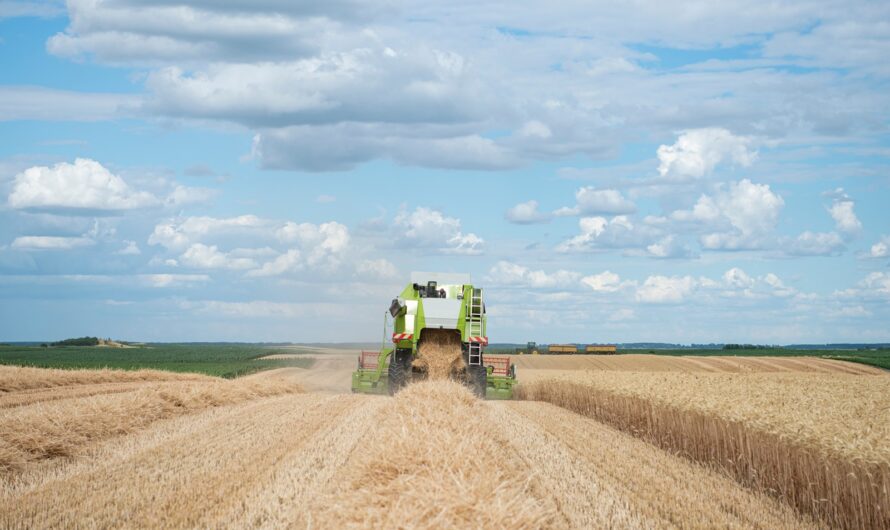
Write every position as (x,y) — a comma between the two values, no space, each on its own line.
(616,171)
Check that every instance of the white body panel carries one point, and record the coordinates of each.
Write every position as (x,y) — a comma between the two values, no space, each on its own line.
(441,313)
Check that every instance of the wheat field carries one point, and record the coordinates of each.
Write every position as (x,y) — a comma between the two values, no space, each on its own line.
(816,441)
(259,453)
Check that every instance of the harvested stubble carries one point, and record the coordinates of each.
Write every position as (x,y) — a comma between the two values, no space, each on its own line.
(17,378)
(433,469)
(682,413)
(40,431)
(430,457)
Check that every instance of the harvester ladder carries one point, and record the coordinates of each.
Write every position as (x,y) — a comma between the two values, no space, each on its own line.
(474,326)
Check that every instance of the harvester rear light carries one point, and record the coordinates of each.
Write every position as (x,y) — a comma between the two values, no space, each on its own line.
(396,337)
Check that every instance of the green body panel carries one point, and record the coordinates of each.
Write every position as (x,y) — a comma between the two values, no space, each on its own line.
(499,387)
(375,380)
(410,294)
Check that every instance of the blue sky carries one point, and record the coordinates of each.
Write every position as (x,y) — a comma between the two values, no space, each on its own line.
(273,171)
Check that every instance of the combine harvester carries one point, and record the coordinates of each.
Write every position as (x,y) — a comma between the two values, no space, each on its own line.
(441,314)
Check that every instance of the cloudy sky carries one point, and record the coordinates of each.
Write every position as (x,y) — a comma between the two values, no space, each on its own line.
(273,170)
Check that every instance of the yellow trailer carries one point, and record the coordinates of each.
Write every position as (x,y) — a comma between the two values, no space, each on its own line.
(562,348)
(602,349)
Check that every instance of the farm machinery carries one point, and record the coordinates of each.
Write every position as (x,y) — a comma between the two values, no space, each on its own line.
(438,329)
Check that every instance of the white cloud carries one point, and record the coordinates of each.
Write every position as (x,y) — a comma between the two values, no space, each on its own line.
(535,129)
(38,103)
(175,280)
(376,268)
(599,232)
(427,228)
(184,195)
(83,185)
(325,199)
(50,243)
(201,256)
(778,286)
(324,242)
(591,201)
(289,262)
(665,289)
(180,233)
(698,151)
(605,281)
(815,244)
(130,249)
(841,211)
(875,285)
(881,249)
(526,213)
(736,277)
(512,274)
(669,246)
(742,215)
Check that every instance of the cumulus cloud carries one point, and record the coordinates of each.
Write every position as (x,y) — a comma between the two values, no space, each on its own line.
(881,249)
(602,233)
(665,289)
(875,285)
(184,195)
(815,244)
(847,227)
(841,210)
(431,229)
(526,213)
(50,243)
(669,246)
(697,152)
(742,215)
(84,185)
(201,240)
(180,233)
(288,262)
(592,201)
(512,274)
(605,281)
(325,242)
(201,256)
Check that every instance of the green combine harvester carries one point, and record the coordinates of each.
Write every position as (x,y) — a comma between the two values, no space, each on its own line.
(436,310)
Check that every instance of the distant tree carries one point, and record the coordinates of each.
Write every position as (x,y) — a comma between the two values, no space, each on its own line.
(82,341)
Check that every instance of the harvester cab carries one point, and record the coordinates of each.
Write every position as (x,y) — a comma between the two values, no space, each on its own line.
(438,331)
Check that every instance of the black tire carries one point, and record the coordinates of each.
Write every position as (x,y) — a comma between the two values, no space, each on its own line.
(478,379)
(398,373)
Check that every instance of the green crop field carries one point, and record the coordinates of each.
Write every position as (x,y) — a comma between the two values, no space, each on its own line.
(222,360)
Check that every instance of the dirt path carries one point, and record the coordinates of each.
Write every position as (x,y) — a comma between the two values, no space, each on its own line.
(331,373)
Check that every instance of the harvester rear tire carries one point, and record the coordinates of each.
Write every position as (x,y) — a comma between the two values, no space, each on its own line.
(398,375)
(478,379)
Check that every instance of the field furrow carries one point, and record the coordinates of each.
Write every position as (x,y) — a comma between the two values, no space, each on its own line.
(183,480)
(46,395)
